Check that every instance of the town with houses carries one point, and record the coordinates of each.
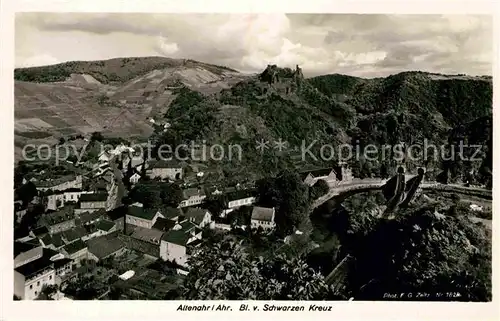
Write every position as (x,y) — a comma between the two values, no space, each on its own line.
(221,170)
(84,224)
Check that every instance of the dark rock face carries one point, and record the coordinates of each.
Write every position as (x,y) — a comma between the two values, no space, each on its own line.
(298,75)
(270,74)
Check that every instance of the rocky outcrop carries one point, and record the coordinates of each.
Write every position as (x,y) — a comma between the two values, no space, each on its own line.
(270,74)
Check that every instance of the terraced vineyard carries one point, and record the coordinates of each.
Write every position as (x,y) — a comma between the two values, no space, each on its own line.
(80,105)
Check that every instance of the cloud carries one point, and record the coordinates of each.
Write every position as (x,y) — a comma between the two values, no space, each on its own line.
(166,48)
(361,45)
(38,60)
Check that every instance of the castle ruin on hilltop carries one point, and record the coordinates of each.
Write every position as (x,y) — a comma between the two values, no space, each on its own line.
(283,80)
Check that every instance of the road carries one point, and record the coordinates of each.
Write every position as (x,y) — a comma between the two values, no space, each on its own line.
(376,183)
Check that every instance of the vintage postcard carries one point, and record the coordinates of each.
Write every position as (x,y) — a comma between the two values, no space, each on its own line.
(232,162)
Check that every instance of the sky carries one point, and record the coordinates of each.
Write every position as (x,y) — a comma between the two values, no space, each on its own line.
(364,45)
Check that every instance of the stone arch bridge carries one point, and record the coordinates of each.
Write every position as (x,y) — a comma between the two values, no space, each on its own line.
(398,190)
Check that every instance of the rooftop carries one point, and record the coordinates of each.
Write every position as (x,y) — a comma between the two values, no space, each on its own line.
(164,224)
(195,214)
(188,226)
(62,262)
(171,212)
(55,181)
(117,213)
(88,217)
(320,172)
(54,239)
(190,192)
(239,194)
(63,215)
(94,197)
(176,237)
(104,246)
(22,247)
(140,212)
(74,247)
(104,225)
(35,266)
(69,190)
(148,235)
(262,214)
(40,231)
(74,234)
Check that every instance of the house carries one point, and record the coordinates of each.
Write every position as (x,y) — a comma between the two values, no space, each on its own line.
(60,184)
(54,241)
(164,170)
(117,216)
(311,177)
(32,276)
(58,221)
(54,201)
(172,213)
(200,217)
(76,251)
(104,157)
(262,217)
(173,246)
(236,199)
(164,224)
(88,218)
(39,232)
(189,228)
(147,235)
(192,197)
(92,202)
(134,178)
(105,182)
(222,223)
(133,161)
(74,234)
(58,199)
(176,244)
(105,227)
(104,247)
(25,252)
(62,267)
(139,216)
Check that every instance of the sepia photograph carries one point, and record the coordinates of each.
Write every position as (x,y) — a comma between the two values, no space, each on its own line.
(242,156)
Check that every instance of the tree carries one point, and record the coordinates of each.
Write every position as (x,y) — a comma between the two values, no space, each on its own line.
(171,194)
(215,204)
(47,292)
(227,271)
(146,193)
(27,192)
(241,216)
(96,137)
(85,288)
(427,250)
(319,189)
(290,196)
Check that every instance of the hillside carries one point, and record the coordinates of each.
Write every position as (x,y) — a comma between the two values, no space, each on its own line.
(108,71)
(116,97)
(219,105)
(334,109)
(413,106)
